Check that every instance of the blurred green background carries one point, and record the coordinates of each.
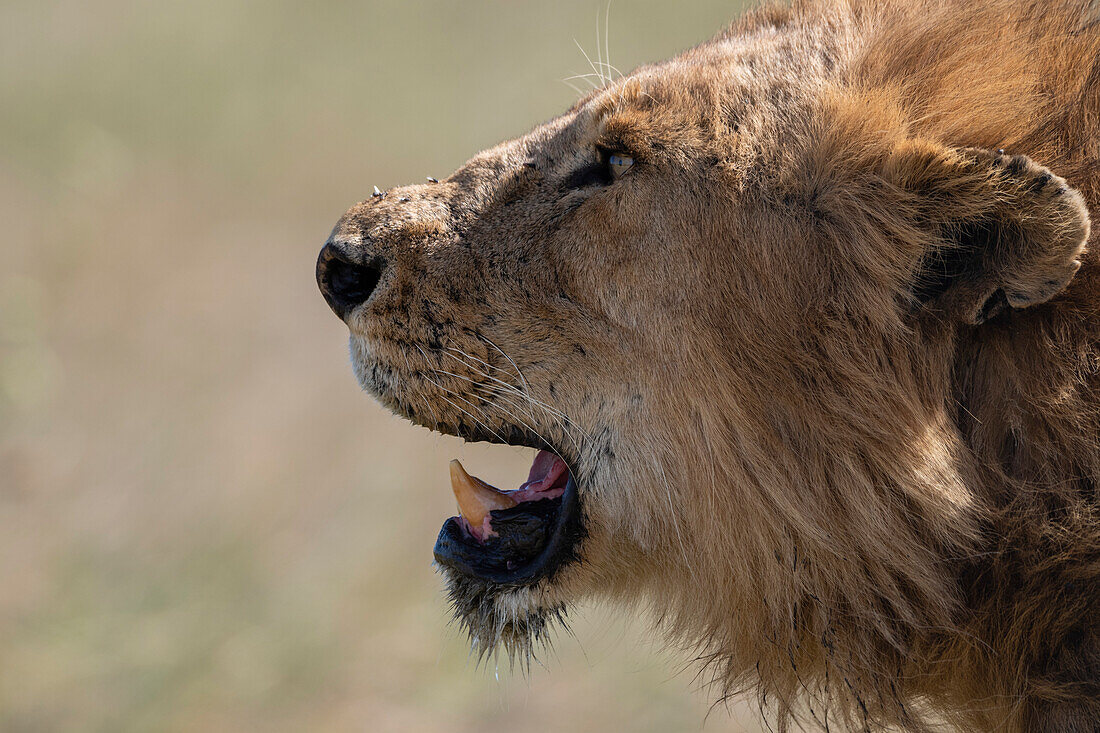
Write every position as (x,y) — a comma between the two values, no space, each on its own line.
(204,524)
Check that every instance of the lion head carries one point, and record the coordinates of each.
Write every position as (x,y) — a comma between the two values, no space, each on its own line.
(724,297)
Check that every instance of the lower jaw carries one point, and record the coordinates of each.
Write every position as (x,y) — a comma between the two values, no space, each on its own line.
(484,567)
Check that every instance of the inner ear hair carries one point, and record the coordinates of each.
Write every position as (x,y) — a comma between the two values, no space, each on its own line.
(1008,232)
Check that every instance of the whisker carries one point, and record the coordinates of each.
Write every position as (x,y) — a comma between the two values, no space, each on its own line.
(507,390)
(606,45)
(565,432)
(482,411)
(574,87)
(588,59)
(427,403)
(513,388)
(484,363)
(553,412)
(451,392)
(526,386)
(529,427)
(599,50)
(467,413)
(586,77)
(611,68)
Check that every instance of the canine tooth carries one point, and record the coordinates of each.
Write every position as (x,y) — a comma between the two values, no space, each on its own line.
(475,497)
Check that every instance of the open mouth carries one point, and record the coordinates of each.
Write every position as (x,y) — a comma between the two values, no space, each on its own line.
(512,538)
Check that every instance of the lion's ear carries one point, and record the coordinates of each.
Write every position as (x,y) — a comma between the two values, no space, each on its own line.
(1008,232)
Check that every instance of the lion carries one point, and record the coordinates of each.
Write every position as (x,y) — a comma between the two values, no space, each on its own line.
(805,330)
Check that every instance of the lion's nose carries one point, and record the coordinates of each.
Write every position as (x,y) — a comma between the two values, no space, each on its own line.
(346,276)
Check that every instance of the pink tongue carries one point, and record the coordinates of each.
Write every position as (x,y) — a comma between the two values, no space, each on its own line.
(546,480)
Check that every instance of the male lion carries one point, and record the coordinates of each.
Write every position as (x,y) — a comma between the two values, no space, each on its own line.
(805,328)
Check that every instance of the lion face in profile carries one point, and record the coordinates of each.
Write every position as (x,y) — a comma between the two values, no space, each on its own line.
(741,303)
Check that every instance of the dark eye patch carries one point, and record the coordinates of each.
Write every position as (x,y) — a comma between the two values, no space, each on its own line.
(592,174)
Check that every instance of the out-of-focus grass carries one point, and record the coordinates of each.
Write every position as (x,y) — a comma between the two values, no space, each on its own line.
(205,526)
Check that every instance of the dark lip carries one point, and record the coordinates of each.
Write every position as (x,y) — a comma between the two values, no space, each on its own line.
(455,550)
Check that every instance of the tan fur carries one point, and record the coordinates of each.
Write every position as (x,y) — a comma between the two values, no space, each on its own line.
(860,488)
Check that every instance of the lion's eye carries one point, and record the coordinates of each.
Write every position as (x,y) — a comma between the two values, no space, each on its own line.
(603,170)
(618,164)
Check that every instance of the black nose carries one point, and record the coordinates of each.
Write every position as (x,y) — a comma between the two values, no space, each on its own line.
(344,282)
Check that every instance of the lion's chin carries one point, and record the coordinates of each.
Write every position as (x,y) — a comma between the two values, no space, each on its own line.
(515,620)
